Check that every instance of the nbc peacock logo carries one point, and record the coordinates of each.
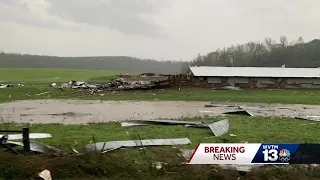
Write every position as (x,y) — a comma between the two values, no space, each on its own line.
(284,155)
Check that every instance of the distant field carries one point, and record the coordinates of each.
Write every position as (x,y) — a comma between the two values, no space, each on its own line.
(38,81)
(37,75)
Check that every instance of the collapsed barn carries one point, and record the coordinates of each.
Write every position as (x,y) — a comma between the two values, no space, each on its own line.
(249,77)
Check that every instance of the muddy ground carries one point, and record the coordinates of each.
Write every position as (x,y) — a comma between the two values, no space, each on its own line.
(81,112)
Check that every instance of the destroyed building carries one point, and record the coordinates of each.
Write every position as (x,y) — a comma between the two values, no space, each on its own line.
(250,77)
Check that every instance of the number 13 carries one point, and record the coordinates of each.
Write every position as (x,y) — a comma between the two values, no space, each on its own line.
(273,155)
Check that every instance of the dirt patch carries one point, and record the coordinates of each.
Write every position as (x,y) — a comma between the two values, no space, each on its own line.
(82,112)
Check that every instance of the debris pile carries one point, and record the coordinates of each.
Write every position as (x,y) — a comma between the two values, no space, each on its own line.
(147,74)
(9,85)
(114,85)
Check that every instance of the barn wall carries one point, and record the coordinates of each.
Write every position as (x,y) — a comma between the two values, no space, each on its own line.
(244,82)
(252,82)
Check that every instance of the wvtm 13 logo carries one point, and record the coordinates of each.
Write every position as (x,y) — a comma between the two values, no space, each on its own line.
(271,153)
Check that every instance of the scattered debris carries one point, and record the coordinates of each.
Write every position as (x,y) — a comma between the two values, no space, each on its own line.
(233,135)
(45,175)
(43,93)
(230,88)
(135,143)
(31,136)
(158,165)
(75,151)
(9,85)
(146,74)
(38,147)
(213,105)
(206,112)
(157,122)
(241,112)
(43,148)
(312,118)
(307,124)
(71,114)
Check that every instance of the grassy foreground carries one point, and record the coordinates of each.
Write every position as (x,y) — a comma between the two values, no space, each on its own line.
(136,163)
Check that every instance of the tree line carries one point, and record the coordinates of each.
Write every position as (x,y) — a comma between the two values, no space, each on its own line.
(121,63)
(267,53)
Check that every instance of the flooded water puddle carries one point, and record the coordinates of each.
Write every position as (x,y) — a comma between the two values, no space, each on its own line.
(82,112)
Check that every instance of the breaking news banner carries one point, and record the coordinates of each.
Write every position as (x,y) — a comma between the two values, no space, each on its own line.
(256,153)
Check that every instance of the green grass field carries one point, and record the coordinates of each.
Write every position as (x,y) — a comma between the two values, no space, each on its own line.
(42,76)
(136,163)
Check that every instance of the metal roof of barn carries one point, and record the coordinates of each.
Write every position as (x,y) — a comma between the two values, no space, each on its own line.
(215,71)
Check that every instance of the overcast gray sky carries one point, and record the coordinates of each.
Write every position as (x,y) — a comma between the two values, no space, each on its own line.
(160,29)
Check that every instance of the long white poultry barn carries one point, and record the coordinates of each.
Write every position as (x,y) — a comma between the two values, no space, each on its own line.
(256,77)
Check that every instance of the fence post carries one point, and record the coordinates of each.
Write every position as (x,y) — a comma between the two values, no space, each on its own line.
(25,139)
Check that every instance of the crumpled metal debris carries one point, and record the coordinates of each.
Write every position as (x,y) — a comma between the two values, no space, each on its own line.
(112,145)
(220,127)
(240,112)
(31,136)
(38,147)
(43,148)
(213,105)
(157,122)
(9,85)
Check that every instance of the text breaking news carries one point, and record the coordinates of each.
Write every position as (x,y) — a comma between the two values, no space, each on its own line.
(256,153)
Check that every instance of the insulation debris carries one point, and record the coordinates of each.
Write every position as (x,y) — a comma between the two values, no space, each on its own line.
(103,146)
(9,85)
(31,136)
(45,175)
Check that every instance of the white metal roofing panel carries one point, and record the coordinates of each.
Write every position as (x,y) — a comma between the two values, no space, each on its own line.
(254,71)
